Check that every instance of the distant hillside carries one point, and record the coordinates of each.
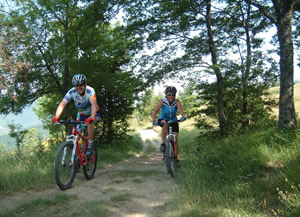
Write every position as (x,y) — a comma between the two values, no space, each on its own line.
(10,142)
(27,119)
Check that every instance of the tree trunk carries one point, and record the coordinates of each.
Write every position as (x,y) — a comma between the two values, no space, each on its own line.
(287,116)
(213,52)
(246,74)
(284,10)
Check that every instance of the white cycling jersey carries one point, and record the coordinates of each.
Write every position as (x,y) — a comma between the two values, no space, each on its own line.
(82,102)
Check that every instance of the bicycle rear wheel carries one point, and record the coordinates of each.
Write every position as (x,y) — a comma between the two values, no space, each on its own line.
(65,166)
(90,166)
(170,158)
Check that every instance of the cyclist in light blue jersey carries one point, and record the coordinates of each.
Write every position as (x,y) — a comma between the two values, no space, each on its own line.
(85,101)
(168,107)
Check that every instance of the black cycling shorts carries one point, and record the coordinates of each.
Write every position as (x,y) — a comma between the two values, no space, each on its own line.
(175,126)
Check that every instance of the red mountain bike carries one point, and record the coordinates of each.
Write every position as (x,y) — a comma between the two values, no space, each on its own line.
(72,154)
(171,151)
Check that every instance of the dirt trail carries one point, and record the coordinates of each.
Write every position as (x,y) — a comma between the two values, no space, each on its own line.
(141,181)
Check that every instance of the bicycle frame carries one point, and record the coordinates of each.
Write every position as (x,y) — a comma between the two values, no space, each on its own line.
(75,138)
(172,137)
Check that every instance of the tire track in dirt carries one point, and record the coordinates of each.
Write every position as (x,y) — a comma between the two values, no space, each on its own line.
(137,187)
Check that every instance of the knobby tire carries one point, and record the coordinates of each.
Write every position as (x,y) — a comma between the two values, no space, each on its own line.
(169,156)
(90,166)
(65,172)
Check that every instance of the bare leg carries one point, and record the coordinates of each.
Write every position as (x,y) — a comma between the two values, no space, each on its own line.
(91,131)
(164,131)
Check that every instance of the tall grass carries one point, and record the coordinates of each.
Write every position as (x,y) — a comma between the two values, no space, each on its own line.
(35,170)
(255,174)
(21,171)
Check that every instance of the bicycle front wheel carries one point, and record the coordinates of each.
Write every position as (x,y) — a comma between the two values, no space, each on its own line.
(65,166)
(90,166)
(170,158)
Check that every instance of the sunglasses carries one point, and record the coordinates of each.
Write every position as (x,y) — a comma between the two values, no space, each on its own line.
(170,94)
(79,85)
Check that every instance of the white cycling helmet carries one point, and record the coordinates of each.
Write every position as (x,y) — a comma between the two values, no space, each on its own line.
(79,79)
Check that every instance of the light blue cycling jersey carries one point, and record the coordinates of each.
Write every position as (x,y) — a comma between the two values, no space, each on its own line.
(82,102)
(168,111)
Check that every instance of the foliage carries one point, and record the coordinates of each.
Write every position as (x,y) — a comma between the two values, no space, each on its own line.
(188,100)
(13,67)
(259,107)
(16,131)
(145,106)
(254,174)
(281,14)
(180,29)
(67,38)
(259,102)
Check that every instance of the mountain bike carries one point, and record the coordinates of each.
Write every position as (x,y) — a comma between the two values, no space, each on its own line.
(72,154)
(171,151)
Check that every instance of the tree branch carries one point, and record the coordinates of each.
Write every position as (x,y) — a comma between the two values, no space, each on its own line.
(263,10)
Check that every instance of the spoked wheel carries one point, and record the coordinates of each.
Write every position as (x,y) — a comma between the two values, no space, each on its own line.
(174,162)
(65,166)
(170,158)
(90,166)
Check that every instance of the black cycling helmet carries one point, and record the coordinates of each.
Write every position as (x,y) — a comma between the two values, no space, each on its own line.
(79,79)
(170,89)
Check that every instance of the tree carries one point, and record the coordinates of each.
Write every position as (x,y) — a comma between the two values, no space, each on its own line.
(176,23)
(281,14)
(13,66)
(192,31)
(70,37)
(188,100)
(254,71)
(16,131)
(216,68)
(145,106)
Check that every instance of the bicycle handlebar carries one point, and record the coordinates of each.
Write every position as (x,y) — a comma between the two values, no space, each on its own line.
(71,122)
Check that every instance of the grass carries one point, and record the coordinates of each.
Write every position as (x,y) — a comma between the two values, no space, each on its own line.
(25,171)
(122,197)
(255,174)
(120,150)
(32,208)
(60,205)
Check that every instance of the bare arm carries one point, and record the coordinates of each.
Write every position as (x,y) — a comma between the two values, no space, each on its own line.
(94,109)
(156,109)
(60,108)
(179,106)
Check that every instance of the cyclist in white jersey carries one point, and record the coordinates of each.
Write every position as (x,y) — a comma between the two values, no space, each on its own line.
(168,107)
(85,101)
